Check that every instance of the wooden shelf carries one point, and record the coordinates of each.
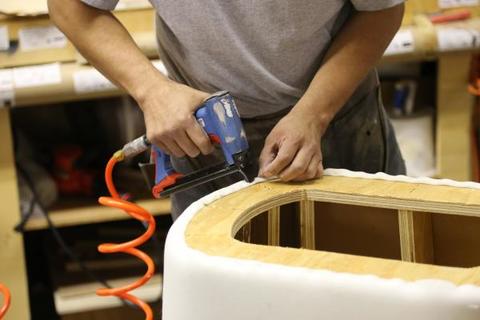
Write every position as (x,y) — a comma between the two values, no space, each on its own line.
(138,22)
(74,213)
(81,298)
(64,90)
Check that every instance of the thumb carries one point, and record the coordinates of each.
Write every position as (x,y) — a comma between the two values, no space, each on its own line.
(267,155)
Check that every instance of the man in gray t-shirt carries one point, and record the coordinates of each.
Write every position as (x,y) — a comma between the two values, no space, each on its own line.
(298,70)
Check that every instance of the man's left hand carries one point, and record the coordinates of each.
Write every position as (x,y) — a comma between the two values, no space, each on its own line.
(292,150)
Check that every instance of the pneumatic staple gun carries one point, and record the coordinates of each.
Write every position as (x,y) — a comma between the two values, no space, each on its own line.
(220,119)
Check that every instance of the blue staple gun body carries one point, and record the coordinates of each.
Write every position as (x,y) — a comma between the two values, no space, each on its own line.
(220,119)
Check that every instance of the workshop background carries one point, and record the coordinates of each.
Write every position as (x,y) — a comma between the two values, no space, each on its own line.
(60,120)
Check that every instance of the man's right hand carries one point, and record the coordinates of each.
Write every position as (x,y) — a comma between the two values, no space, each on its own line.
(169,118)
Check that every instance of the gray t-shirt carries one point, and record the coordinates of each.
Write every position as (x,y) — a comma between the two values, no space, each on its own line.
(265,52)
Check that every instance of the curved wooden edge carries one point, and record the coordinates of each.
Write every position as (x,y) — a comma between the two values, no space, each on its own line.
(212,229)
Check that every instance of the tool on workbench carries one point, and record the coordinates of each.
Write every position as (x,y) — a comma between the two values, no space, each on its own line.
(6,300)
(219,118)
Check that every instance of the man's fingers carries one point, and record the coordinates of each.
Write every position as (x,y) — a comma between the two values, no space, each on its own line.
(163,147)
(266,157)
(312,169)
(187,145)
(159,142)
(298,166)
(175,149)
(286,153)
(200,138)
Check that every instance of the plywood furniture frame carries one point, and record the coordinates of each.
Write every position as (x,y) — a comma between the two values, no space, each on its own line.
(213,228)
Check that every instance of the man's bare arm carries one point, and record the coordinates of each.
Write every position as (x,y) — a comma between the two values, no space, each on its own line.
(106,44)
(168,106)
(292,150)
(356,50)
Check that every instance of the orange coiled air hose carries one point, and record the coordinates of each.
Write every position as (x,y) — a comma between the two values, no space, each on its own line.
(6,300)
(129,247)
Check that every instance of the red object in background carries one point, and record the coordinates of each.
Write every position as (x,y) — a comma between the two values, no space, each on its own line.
(474,87)
(6,300)
(70,179)
(451,16)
